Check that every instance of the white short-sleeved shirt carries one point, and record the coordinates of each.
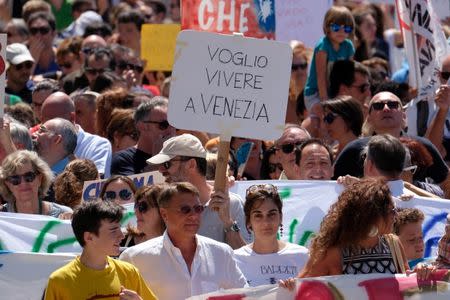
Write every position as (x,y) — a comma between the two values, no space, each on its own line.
(261,269)
(165,271)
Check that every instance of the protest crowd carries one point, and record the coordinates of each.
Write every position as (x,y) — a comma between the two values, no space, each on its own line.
(81,105)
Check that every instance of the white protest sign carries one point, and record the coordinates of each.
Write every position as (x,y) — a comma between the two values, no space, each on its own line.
(92,188)
(300,20)
(2,73)
(230,85)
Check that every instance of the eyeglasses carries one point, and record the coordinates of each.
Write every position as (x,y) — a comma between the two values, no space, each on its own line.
(288,148)
(162,125)
(302,66)
(186,209)
(124,195)
(336,27)
(330,117)
(93,71)
(66,65)
(363,87)
(124,65)
(412,169)
(445,75)
(43,129)
(17,179)
(380,105)
(141,206)
(27,65)
(269,188)
(168,164)
(273,167)
(41,30)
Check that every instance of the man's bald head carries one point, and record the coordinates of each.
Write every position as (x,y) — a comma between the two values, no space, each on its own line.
(58,105)
(93,41)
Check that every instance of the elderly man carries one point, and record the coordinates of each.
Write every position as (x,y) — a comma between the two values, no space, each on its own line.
(292,137)
(182,263)
(19,67)
(151,122)
(41,91)
(315,160)
(183,158)
(88,145)
(385,116)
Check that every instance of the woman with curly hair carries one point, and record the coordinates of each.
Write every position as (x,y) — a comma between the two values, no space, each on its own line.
(352,237)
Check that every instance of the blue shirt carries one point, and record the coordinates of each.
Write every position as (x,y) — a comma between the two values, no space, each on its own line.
(346,51)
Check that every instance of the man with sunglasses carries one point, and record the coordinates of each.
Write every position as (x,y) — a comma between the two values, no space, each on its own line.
(386,116)
(292,137)
(97,62)
(181,263)
(183,158)
(19,63)
(151,123)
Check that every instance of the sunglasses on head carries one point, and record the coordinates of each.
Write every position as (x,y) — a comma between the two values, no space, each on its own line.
(93,71)
(363,87)
(141,206)
(380,105)
(288,148)
(269,188)
(330,117)
(196,209)
(273,167)
(124,65)
(336,27)
(445,75)
(163,125)
(41,30)
(302,66)
(17,179)
(26,65)
(124,195)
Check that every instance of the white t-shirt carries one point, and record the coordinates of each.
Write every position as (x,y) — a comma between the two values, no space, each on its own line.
(261,269)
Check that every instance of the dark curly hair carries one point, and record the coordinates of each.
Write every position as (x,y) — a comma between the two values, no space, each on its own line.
(352,216)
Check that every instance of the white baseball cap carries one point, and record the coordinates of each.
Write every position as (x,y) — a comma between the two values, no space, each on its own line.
(181,145)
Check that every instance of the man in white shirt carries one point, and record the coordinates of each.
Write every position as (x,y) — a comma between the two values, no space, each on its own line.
(181,263)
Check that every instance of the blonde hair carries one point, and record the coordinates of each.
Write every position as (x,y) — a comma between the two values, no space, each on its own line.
(18,159)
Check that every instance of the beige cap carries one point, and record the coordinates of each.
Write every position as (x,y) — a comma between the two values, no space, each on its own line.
(181,145)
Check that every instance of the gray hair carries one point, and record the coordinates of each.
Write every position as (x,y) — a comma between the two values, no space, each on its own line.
(17,159)
(68,132)
(147,106)
(21,135)
(47,84)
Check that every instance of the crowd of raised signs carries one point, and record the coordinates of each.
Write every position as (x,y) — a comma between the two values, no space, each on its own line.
(80,105)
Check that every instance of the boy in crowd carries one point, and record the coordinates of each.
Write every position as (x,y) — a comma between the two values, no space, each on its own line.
(93,274)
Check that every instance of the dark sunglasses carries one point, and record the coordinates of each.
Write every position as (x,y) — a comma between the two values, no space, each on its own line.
(288,148)
(380,105)
(87,50)
(124,195)
(17,179)
(330,117)
(273,167)
(93,71)
(26,65)
(123,65)
(41,30)
(141,206)
(168,164)
(445,75)
(302,66)
(363,87)
(66,65)
(196,209)
(163,125)
(336,27)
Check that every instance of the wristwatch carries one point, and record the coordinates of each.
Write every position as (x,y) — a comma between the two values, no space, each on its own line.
(234,227)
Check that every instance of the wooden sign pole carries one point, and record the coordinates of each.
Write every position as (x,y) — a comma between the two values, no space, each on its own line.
(220,180)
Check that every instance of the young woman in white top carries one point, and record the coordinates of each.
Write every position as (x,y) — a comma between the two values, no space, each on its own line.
(267,259)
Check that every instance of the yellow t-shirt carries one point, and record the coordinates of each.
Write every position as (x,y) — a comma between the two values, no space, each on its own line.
(76,281)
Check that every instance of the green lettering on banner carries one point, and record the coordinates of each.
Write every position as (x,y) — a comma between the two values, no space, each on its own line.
(51,247)
(1,246)
(285,193)
(127,216)
(292,229)
(306,235)
(40,239)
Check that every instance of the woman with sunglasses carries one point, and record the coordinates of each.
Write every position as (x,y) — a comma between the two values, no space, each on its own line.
(24,181)
(343,119)
(118,188)
(263,217)
(271,167)
(149,221)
